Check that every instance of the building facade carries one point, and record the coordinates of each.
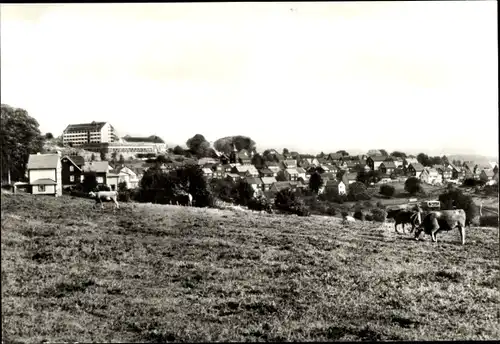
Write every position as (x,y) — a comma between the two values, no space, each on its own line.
(89,133)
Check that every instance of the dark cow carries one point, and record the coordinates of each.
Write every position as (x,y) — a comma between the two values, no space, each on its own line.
(404,217)
(443,220)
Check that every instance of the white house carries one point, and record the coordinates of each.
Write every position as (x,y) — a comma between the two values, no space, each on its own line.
(291,174)
(128,176)
(95,132)
(45,174)
(431,176)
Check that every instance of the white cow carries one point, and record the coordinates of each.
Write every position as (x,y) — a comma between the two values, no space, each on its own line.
(106,196)
(347,219)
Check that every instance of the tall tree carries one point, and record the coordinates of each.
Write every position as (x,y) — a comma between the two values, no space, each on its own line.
(92,157)
(424,159)
(114,155)
(285,151)
(102,154)
(226,144)
(49,136)
(198,145)
(20,137)
(258,161)
(122,159)
(315,182)
(383,152)
(343,152)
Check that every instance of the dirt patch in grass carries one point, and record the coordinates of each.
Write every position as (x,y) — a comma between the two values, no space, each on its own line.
(153,273)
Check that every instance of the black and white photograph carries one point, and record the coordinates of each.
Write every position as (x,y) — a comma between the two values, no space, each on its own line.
(249,172)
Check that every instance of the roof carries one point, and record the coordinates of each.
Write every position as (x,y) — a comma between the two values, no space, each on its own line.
(417,166)
(41,161)
(377,157)
(389,164)
(268,180)
(207,170)
(411,160)
(44,181)
(93,126)
(151,139)
(274,169)
(332,182)
(266,170)
(335,156)
(489,172)
(253,180)
(96,166)
(77,159)
(282,185)
(292,171)
(232,175)
(271,163)
(300,170)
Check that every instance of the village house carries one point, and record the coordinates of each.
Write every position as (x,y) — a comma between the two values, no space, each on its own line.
(44,174)
(291,174)
(267,182)
(446,172)
(415,169)
(245,170)
(207,172)
(456,172)
(350,178)
(335,157)
(334,185)
(302,173)
(408,161)
(265,172)
(486,175)
(71,170)
(275,170)
(233,177)
(255,183)
(218,171)
(387,167)
(431,176)
(398,161)
(375,161)
(288,164)
(126,175)
(103,174)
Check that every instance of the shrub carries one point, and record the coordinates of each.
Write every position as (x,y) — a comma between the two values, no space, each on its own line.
(358,192)
(387,190)
(260,203)
(379,215)
(413,186)
(331,211)
(245,192)
(491,190)
(380,205)
(358,215)
(286,201)
(368,217)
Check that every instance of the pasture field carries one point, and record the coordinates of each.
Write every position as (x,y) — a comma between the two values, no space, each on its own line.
(153,273)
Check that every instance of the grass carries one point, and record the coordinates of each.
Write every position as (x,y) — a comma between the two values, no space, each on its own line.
(152,273)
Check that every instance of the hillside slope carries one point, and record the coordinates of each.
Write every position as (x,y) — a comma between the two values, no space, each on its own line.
(168,273)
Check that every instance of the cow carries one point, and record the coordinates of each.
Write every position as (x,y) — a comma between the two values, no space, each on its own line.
(407,217)
(445,220)
(106,196)
(183,198)
(346,219)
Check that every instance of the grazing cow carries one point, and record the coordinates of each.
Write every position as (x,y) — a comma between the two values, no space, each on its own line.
(106,196)
(183,198)
(407,217)
(444,220)
(347,219)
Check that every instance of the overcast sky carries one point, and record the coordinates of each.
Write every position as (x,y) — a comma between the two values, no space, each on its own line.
(415,76)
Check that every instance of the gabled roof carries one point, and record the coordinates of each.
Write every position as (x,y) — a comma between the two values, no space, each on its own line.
(150,139)
(489,172)
(77,159)
(268,180)
(207,170)
(72,161)
(377,158)
(96,166)
(300,170)
(253,181)
(388,164)
(266,171)
(335,156)
(292,171)
(42,161)
(417,166)
(94,126)
(44,181)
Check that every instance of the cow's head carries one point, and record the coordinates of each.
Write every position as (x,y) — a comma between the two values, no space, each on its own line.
(92,194)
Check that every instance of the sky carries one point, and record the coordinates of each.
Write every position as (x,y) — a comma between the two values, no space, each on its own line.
(408,76)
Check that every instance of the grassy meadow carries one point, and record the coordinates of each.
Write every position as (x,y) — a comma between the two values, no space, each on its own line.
(151,273)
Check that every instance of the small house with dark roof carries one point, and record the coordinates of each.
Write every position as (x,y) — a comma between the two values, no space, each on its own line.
(415,169)
(387,167)
(71,170)
(267,182)
(265,172)
(44,174)
(255,183)
(374,161)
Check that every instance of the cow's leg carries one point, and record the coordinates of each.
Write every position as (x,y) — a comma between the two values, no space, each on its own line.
(396,227)
(403,225)
(461,228)
(434,230)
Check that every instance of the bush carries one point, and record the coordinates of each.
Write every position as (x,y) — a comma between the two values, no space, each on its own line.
(260,203)
(387,190)
(380,205)
(491,190)
(379,215)
(286,201)
(413,186)
(359,215)
(358,192)
(331,210)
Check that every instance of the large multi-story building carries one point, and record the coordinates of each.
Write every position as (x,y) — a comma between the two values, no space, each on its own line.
(89,133)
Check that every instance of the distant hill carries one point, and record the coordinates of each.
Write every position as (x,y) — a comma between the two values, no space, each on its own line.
(479,159)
